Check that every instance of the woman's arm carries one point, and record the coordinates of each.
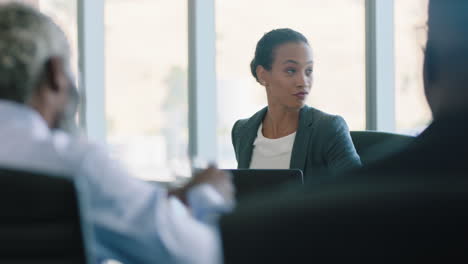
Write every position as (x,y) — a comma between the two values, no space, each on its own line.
(234,137)
(340,154)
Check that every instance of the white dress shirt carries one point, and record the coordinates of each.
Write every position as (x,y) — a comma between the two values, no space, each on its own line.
(124,218)
(272,153)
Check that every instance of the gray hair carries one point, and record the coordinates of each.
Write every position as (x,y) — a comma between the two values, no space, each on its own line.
(28,39)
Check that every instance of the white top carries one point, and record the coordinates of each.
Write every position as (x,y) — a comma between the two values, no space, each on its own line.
(124,218)
(272,153)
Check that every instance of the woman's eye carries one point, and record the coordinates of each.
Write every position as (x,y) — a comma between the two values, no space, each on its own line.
(290,71)
(309,72)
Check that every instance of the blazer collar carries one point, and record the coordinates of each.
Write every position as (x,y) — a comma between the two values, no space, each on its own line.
(251,128)
(301,142)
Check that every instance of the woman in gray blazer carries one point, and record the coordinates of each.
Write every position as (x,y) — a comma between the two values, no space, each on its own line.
(287,133)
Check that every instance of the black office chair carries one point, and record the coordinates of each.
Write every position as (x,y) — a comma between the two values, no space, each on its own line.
(39,219)
(381,222)
(374,145)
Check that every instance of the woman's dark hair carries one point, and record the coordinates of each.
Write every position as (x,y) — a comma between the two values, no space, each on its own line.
(264,52)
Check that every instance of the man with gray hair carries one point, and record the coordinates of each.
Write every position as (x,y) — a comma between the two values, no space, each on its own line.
(125,219)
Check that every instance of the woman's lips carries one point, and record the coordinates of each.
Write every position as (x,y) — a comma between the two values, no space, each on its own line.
(301,95)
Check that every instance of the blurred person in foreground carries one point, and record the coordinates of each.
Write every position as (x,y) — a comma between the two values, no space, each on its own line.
(411,205)
(288,134)
(126,219)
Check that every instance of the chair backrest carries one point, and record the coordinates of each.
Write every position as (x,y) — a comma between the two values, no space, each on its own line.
(374,145)
(39,219)
(380,222)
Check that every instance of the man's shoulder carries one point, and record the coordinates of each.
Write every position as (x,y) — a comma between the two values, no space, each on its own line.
(54,152)
(74,143)
(75,149)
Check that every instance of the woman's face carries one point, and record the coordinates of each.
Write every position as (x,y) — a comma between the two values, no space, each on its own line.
(289,81)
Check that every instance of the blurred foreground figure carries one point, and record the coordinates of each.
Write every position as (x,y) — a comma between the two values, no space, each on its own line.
(409,206)
(125,219)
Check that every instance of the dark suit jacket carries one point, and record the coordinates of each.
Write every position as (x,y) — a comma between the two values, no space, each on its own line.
(322,143)
(409,206)
(441,149)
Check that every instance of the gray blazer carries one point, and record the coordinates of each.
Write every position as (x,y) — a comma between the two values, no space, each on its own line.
(322,145)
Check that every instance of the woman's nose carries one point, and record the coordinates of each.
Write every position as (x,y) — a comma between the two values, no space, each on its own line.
(303,80)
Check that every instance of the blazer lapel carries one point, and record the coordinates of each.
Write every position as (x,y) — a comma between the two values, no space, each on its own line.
(251,129)
(301,142)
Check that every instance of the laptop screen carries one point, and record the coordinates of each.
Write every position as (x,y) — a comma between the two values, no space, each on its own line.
(249,181)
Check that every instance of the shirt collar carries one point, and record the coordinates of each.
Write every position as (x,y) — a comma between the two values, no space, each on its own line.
(20,115)
(262,139)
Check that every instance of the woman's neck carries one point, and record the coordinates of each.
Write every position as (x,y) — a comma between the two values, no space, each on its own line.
(280,122)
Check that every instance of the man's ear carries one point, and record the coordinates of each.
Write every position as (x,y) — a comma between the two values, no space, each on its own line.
(55,74)
(429,66)
(431,76)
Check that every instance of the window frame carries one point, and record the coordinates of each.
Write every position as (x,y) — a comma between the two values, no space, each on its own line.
(380,71)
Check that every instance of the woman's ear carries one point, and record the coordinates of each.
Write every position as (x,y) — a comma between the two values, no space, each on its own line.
(262,75)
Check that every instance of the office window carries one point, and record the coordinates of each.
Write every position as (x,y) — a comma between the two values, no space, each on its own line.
(146,85)
(336,32)
(412,111)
